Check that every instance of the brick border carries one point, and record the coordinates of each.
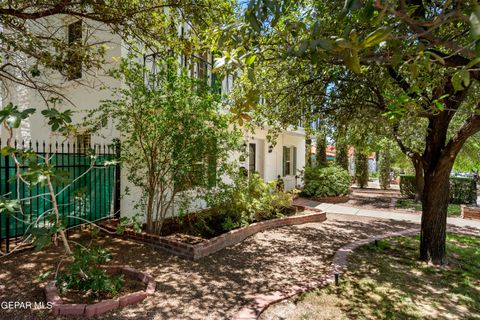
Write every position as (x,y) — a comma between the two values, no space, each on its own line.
(468,212)
(333,199)
(261,302)
(91,310)
(207,247)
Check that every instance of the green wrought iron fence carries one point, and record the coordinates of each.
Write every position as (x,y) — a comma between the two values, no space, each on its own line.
(91,195)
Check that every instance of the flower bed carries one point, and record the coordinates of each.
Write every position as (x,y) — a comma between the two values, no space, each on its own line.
(205,247)
(94,309)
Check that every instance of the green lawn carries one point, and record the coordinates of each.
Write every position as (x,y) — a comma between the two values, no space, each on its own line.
(388,282)
(453,209)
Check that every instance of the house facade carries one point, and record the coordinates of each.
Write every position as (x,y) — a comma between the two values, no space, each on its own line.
(86,91)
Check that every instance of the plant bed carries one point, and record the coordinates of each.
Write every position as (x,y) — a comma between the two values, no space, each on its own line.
(470,212)
(73,303)
(192,228)
(177,244)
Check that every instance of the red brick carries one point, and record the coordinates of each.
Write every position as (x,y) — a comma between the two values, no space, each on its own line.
(145,277)
(128,271)
(92,310)
(131,298)
(151,287)
(69,309)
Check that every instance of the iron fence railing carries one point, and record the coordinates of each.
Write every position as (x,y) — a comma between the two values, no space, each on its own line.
(90,194)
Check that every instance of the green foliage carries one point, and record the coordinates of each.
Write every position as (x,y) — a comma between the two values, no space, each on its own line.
(462,190)
(247,200)
(361,169)
(326,182)
(85,273)
(11,116)
(175,137)
(321,148)
(385,162)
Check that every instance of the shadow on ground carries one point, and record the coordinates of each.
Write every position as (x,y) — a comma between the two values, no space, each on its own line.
(215,287)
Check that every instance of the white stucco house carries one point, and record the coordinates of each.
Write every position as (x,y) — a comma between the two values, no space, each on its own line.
(284,159)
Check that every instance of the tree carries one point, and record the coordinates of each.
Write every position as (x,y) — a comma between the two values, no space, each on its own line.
(361,168)
(416,60)
(341,147)
(385,160)
(175,140)
(321,148)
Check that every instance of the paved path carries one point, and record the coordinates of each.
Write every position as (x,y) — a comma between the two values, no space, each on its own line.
(383,214)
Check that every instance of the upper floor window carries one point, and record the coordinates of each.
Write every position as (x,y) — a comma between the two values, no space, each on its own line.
(74,34)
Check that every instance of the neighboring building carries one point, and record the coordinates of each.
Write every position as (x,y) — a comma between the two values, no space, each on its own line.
(284,159)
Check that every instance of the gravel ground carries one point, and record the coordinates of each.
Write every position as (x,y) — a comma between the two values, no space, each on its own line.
(215,287)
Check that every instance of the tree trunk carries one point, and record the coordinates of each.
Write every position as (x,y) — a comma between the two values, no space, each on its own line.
(149,211)
(434,217)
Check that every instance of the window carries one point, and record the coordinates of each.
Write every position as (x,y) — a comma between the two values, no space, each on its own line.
(289,161)
(84,142)
(252,154)
(74,61)
(202,67)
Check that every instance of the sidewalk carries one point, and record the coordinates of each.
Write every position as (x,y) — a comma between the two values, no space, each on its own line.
(383,214)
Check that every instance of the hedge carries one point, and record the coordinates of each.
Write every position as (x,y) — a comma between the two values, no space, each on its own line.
(327,181)
(462,190)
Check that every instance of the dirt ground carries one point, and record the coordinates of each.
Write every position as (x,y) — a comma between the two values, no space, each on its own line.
(215,287)
(374,199)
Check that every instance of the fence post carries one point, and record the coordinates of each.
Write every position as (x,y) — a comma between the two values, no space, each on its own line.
(7,191)
(116,205)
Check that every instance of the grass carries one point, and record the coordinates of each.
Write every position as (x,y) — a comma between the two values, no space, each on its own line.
(388,282)
(453,209)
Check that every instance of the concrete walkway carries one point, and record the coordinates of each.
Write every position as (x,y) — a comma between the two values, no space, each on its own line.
(383,214)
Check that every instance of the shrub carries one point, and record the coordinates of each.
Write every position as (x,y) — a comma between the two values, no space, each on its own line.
(361,169)
(326,181)
(246,200)
(85,274)
(462,190)
(407,186)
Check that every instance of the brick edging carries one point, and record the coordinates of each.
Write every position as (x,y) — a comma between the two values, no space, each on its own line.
(91,310)
(468,212)
(263,301)
(207,247)
(332,199)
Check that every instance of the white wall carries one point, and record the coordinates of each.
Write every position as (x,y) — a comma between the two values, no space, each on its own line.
(272,164)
